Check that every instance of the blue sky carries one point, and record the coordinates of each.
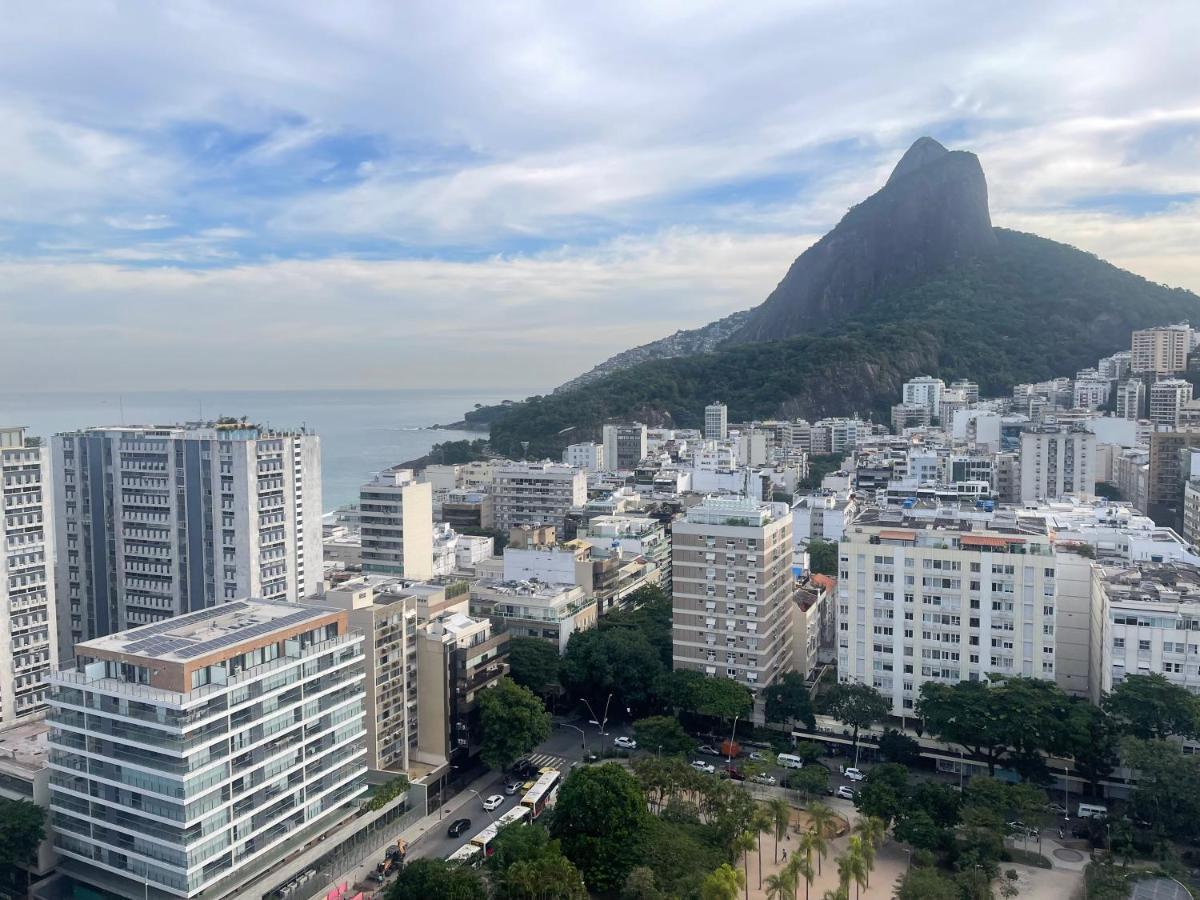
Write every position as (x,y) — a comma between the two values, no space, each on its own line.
(368,194)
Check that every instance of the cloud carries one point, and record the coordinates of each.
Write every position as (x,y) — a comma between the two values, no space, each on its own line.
(311,175)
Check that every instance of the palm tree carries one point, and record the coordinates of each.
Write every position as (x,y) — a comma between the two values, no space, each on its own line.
(801,868)
(869,832)
(781,811)
(743,844)
(838,893)
(761,821)
(821,823)
(853,867)
(810,841)
(777,887)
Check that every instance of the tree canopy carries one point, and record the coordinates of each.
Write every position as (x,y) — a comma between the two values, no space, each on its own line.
(1152,708)
(788,700)
(513,720)
(533,664)
(663,734)
(601,819)
(422,879)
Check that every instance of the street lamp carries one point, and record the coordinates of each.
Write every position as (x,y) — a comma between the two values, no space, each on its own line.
(729,755)
(1066,795)
(485,809)
(582,734)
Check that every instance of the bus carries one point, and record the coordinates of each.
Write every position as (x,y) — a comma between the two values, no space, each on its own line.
(467,855)
(543,792)
(482,841)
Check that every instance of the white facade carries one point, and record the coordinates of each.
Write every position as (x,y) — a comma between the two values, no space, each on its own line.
(716,422)
(28,633)
(1167,399)
(1155,622)
(155,522)
(1161,351)
(537,494)
(183,752)
(396,512)
(1056,462)
(925,391)
(588,456)
(1129,399)
(1091,390)
(732,589)
(919,601)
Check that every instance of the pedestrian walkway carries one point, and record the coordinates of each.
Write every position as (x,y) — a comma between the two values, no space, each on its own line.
(542,760)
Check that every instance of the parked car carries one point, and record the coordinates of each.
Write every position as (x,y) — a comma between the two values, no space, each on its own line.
(458,828)
(710,750)
(524,768)
(846,793)
(732,773)
(1056,809)
(758,757)
(493,802)
(701,766)
(764,779)
(512,786)
(625,743)
(853,774)
(1020,829)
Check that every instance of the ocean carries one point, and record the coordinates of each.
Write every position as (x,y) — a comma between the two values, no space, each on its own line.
(361,432)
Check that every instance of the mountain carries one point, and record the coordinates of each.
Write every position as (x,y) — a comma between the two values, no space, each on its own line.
(681,343)
(913,280)
(932,212)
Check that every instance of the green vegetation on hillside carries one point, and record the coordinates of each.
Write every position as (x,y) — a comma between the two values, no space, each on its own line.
(1034,310)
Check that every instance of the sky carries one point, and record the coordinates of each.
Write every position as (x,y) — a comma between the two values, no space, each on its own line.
(308,195)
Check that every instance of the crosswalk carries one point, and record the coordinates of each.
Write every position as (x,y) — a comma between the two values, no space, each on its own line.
(541,760)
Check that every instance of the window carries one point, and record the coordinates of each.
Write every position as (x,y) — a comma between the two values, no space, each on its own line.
(1119,643)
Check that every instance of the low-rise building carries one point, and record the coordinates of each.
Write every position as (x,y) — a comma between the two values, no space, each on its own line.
(25,776)
(588,456)
(465,508)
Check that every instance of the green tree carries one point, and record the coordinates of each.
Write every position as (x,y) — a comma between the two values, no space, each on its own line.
(800,868)
(742,844)
(811,781)
(885,792)
(533,664)
(781,816)
(647,612)
(513,721)
(601,820)
(663,733)
(1150,707)
(722,884)
(641,885)
(763,822)
(1168,786)
(617,661)
(788,700)
(926,884)
(22,829)
(852,867)
(897,747)
(856,705)
(823,557)
(964,713)
(1094,743)
(781,885)
(919,829)
(716,698)
(422,879)
(822,822)
(548,877)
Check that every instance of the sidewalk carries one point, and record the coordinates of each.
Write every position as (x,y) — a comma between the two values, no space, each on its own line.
(412,834)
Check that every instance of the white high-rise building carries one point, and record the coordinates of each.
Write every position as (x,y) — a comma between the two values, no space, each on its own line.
(1129,399)
(185,752)
(155,522)
(1161,351)
(1056,461)
(28,636)
(587,456)
(732,590)
(925,391)
(624,445)
(537,494)
(397,525)
(1091,390)
(926,599)
(1167,398)
(716,422)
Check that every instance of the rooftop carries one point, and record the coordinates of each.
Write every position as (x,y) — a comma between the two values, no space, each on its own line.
(23,747)
(192,635)
(1154,583)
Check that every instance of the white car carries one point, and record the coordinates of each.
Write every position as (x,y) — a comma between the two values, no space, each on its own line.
(845,792)
(853,774)
(763,779)
(701,766)
(758,757)
(493,802)
(625,743)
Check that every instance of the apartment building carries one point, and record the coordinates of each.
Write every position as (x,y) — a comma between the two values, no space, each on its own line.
(1160,351)
(589,456)
(536,609)
(910,415)
(458,657)
(155,522)
(943,598)
(25,776)
(185,754)
(716,422)
(537,494)
(1055,461)
(1129,400)
(732,585)
(28,631)
(1091,390)
(1154,611)
(639,536)
(1115,367)
(1167,399)
(1165,475)
(813,623)
(396,512)
(969,389)
(925,391)
(624,445)
(381,609)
